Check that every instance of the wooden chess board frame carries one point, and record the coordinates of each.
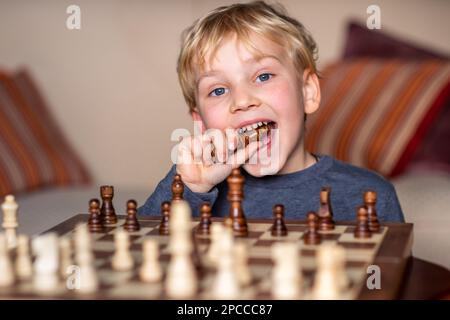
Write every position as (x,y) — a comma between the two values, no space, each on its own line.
(390,250)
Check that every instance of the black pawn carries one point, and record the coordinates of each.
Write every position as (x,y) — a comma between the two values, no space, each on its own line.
(312,236)
(165,212)
(370,200)
(278,227)
(177,188)
(362,224)
(95,221)
(205,219)
(131,221)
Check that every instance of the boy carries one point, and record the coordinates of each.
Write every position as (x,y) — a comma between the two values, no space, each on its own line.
(249,69)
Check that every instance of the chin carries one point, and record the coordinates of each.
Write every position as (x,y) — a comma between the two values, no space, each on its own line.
(261,170)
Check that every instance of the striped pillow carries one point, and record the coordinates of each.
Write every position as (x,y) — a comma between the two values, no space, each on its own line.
(375,112)
(33,151)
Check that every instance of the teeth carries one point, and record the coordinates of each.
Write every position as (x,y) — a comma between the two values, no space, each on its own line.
(252,126)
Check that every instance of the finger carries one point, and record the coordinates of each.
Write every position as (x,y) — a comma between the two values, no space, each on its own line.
(208,152)
(242,155)
(197,149)
(184,154)
(232,139)
(217,138)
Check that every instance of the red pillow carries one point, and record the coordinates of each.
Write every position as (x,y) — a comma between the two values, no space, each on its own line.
(361,42)
(375,112)
(33,151)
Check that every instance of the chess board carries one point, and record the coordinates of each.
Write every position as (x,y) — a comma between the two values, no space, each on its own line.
(389,249)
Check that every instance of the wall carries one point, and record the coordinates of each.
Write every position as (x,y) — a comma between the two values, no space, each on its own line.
(113,85)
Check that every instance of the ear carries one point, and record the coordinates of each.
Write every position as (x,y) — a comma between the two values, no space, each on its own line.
(311,92)
(198,121)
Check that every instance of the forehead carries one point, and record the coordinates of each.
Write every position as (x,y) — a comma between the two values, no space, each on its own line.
(250,50)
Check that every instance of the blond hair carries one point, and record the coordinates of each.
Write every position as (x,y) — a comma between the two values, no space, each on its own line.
(270,21)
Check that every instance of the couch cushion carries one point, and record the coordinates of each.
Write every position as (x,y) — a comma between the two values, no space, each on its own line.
(361,42)
(34,152)
(375,112)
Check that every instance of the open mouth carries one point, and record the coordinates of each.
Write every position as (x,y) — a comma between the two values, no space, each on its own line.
(259,131)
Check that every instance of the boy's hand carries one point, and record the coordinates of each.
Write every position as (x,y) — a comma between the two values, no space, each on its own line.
(199,169)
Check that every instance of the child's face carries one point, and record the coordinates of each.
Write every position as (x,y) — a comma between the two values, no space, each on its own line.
(236,90)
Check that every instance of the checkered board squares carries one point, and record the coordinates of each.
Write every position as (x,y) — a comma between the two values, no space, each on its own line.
(126,285)
(360,253)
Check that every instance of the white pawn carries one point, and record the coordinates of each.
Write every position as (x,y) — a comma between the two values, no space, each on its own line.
(241,257)
(86,280)
(226,285)
(10,208)
(150,270)
(181,280)
(214,249)
(45,248)
(122,259)
(24,267)
(286,275)
(6,268)
(326,284)
(65,252)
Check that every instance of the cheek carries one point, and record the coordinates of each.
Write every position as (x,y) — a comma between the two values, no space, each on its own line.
(286,102)
(215,118)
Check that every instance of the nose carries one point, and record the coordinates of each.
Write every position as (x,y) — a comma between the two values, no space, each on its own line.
(243,99)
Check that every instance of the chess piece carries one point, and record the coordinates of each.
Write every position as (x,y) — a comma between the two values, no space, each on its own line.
(214,248)
(235,197)
(242,268)
(286,275)
(107,210)
(328,284)
(312,236)
(122,259)
(165,212)
(177,188)
(10,208)
(45,247)
(325,212)
(24,266)
(278,227)
(226,285)
(150,270)
(88,279)
(131,221)
(362,224)
(65,254)
(370,200)
(95,223)
(205,219)
(181,280)
(6,267)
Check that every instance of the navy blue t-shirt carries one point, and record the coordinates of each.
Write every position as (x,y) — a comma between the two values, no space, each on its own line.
(299,193)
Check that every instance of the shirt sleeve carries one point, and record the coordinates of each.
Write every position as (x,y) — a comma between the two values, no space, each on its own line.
(163,193)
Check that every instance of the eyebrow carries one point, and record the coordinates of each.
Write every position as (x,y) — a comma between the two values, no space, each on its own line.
(253,59)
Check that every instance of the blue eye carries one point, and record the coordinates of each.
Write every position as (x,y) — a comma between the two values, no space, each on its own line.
(217,92)
(265,76)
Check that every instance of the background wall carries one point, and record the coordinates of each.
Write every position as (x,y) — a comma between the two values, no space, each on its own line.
(113,86)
